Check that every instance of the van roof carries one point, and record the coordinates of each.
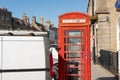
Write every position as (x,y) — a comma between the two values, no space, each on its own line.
(22,33)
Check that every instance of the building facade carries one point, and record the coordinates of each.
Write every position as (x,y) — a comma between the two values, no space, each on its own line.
(8,22)
(5,19)
(105,33)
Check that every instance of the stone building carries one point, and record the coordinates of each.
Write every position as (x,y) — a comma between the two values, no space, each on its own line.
(5,19)
(48,24)
(36,25)
(105,33)
(8,22)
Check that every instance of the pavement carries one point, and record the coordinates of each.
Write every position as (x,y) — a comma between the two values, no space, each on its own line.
(100,73)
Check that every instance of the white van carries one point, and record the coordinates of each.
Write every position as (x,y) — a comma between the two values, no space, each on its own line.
(24,57)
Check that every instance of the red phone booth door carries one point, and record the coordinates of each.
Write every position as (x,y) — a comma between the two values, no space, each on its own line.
(76,57)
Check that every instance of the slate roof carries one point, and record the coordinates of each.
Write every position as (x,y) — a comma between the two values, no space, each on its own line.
(41,26)
(18,24)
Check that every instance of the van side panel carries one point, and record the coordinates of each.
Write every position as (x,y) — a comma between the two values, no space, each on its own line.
(24,76)
(23,53)
(23,58)
(47,51)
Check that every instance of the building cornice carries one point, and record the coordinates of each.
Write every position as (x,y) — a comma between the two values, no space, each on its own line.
(97,12)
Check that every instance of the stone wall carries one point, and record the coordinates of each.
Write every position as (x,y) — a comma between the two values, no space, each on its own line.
(102,32)
(114,16)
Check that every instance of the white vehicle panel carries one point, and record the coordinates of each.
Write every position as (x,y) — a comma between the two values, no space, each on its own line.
(23,52)
(24,76)
(18,38)
(24,58)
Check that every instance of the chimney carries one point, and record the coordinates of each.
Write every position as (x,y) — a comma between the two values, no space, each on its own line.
(28,21)
(24,18)
(41,20)
(33,19)
(48,23)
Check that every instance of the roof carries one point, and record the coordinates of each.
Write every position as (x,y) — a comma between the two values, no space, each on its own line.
(18,24)
(41,26)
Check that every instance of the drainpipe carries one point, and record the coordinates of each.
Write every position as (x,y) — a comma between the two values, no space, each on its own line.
(92,7)
(94,56)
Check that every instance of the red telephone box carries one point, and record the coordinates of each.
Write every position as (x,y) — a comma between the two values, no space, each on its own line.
(74,46)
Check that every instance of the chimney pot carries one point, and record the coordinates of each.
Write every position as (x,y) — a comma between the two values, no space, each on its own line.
(41,20)
(28,20)
(33,19)
(25,17)
(48,23)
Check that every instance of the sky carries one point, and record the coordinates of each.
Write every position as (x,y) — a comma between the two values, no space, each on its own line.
(49,9)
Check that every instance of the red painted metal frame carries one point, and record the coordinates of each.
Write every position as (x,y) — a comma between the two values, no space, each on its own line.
(74,26)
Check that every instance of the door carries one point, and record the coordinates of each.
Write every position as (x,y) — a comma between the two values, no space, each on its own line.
(75,45)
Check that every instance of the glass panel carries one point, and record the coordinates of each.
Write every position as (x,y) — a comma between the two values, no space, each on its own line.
(74,55)
(74,40)
(65,33)
(82,48)
(74,33)
(82,33)
(75,78)
(65,40)
(74,63)
(65,55)
(65,49)
(82,40)
(73,48)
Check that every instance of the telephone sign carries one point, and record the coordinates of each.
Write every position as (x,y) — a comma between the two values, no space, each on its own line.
(74,21)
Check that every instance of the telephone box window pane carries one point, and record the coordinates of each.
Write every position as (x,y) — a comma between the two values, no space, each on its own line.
(82,40)
(74,54)
(82,33)
(65,40)
(74,40)
(82,48)
(65,48)
(74,33)
(65,33)
(74,48)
